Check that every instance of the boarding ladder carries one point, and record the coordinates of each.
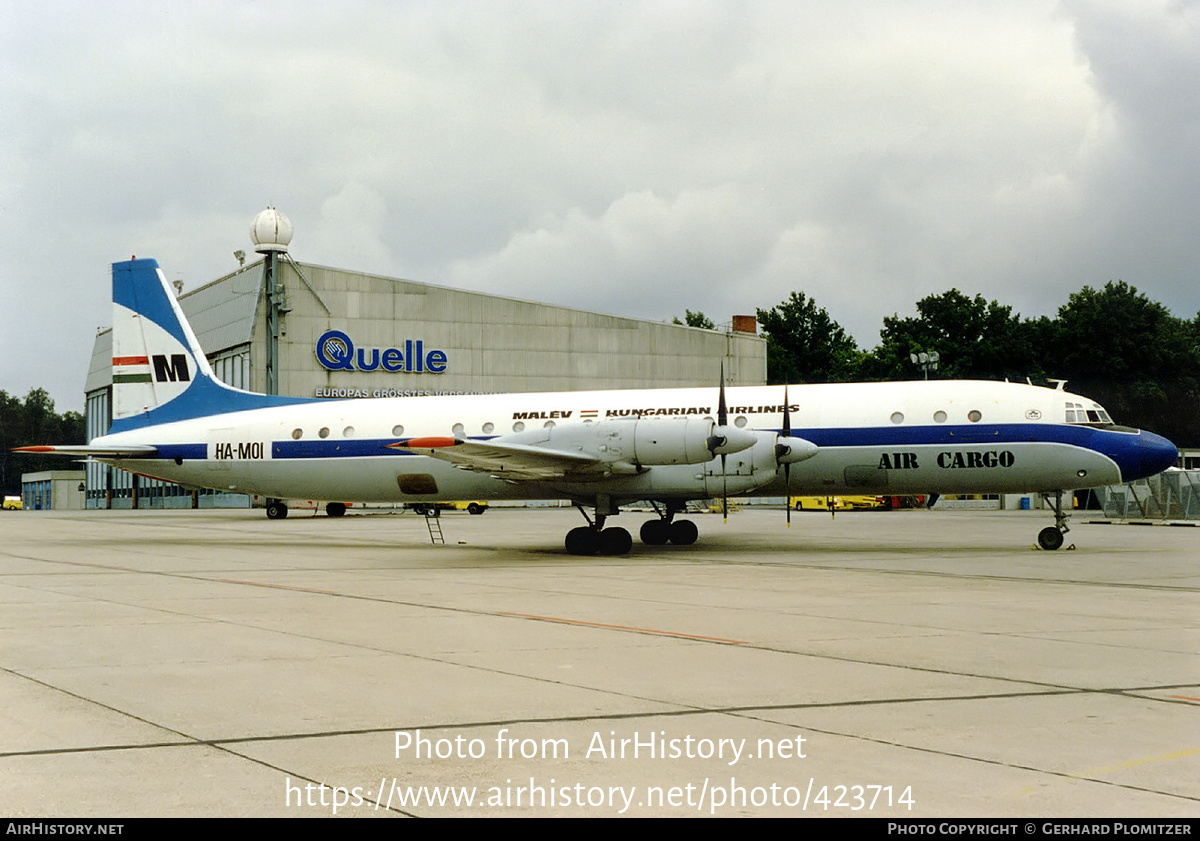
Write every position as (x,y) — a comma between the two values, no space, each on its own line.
(433,521)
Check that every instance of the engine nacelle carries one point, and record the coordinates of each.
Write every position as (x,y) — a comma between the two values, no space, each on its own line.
(645,442)
(657,441)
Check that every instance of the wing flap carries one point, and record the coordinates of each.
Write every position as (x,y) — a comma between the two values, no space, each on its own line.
(510,461)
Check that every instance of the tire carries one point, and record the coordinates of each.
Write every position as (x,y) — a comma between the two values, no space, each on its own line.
(276,510)
(684,532)
(1050,538)
(335,509)
(582,541)
(615,541)
(476,508)
(655,532)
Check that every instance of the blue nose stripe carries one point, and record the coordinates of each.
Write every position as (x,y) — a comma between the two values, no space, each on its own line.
(1141,455)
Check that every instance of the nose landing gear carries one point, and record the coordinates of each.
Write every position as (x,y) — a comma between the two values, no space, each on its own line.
(1052,537)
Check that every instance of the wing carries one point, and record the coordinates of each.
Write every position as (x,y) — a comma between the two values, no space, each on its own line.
(515,461)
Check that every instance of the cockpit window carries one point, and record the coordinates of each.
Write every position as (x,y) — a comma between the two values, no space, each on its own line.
(1092,415)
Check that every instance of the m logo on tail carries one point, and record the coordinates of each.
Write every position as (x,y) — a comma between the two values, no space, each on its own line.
(174,371)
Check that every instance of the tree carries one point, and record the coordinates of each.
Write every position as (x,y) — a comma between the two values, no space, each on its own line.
(1130,354)
(696,319)
(975,338)
(805,345)
(33,421)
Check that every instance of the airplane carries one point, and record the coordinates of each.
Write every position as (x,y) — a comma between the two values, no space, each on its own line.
(601,450)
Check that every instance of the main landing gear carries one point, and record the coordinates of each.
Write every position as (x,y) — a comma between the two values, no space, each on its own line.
(277,509)
(595,539)
(666,529)
(1051,537)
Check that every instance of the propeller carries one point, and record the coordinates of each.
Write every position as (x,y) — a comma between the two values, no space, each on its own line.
(780,451)
(789,449)
(722,421)
(724,440)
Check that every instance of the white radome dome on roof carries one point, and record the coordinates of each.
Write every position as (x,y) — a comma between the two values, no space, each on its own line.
(271,231)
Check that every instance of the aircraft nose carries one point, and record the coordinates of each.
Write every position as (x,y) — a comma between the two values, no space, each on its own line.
(1147,454)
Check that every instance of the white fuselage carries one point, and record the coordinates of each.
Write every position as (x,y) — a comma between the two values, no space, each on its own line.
(871,438)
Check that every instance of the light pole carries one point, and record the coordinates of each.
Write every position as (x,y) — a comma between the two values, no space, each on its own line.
(926,361)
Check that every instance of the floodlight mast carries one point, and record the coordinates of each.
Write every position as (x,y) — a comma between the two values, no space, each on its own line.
(926,361)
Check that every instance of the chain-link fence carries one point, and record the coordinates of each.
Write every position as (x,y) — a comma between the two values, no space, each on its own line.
(1172,495)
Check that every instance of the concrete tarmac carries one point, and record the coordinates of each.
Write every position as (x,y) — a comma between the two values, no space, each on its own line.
(885,664)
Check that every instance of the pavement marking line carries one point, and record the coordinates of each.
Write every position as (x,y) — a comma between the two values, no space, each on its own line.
(1096,775)
(275,586)
(630,628)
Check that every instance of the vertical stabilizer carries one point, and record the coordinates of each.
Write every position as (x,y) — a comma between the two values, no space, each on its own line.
(160,373)
(156,356)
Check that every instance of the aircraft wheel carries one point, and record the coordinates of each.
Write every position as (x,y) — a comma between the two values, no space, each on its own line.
(1050,538)
(684,532)
(615,541)
(655,532)
(582,541)
(276,510)
(335,509)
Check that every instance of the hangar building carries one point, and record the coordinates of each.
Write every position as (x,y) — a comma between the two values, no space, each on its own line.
(333,334)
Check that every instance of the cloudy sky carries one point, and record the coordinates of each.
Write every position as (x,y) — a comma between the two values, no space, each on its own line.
(637,158)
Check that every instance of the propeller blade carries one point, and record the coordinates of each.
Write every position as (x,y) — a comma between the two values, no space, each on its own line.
(722,411)
(787,465)
(787,415)
(724,491)
(722,421)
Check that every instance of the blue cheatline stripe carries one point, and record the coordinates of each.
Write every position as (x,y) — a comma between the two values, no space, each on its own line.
(186,451)
(341,448)
(960,435)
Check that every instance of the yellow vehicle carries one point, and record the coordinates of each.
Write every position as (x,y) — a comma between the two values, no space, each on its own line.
(836,503)
(12,503)
(428,508)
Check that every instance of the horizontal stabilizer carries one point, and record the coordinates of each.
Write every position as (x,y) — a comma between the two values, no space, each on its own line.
(128,451)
